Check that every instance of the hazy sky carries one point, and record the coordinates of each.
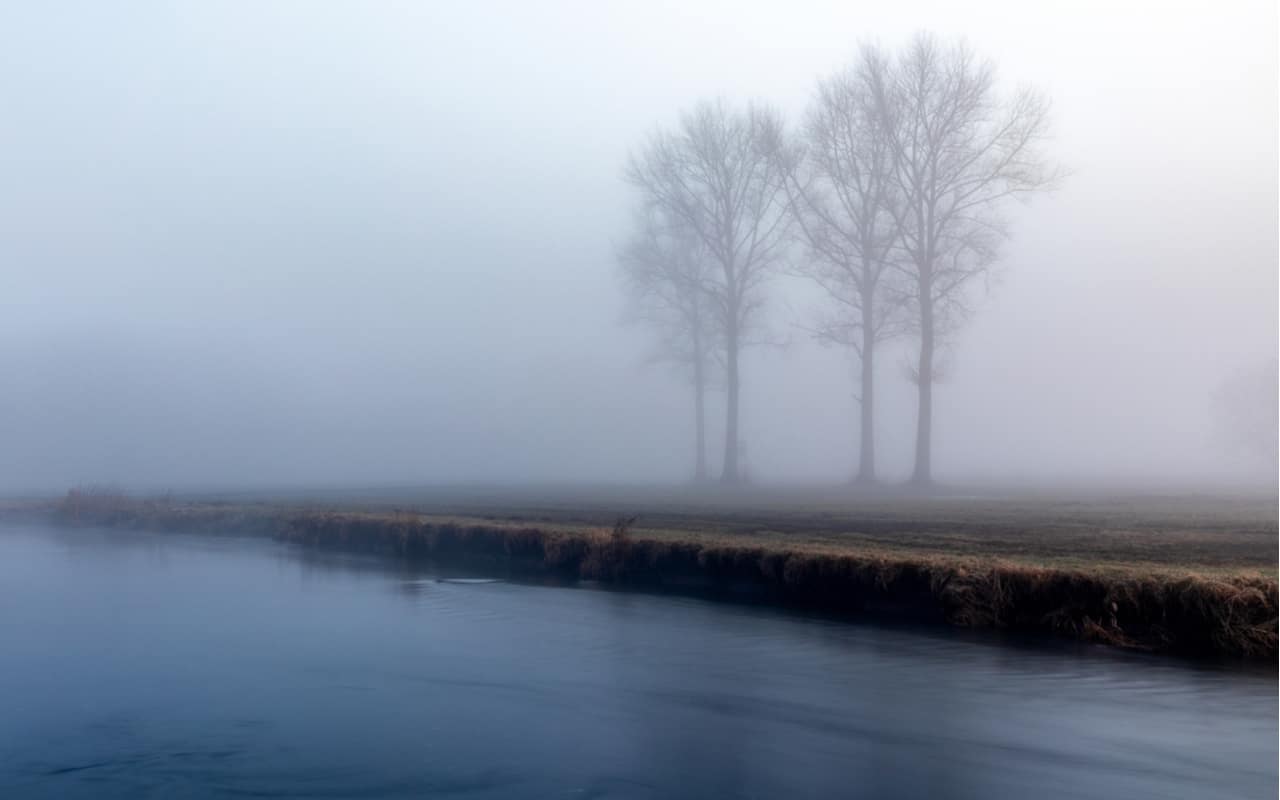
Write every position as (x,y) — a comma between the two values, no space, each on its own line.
(266,242)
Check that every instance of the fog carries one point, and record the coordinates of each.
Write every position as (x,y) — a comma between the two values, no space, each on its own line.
(336,243)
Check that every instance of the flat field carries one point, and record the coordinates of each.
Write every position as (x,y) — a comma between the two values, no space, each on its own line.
(1212,534)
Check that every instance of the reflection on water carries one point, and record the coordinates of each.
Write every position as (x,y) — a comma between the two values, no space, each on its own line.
(145,665)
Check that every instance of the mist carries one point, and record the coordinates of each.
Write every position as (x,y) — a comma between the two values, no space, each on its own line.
(328,243)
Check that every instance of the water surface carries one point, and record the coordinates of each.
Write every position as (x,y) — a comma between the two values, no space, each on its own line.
(152,665)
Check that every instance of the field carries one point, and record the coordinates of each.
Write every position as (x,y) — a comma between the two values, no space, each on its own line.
(1216,534)
(1193,573)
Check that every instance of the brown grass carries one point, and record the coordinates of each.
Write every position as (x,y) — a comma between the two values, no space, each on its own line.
(1135,604)
(1208,534)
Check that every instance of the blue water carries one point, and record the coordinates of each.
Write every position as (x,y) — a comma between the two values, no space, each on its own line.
(152,665)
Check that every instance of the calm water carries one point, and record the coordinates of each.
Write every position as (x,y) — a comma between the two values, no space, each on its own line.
(141,665)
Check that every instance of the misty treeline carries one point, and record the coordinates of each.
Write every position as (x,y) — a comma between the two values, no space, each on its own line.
(887,194)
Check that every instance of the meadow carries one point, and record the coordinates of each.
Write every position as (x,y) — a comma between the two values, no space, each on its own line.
(1192,574)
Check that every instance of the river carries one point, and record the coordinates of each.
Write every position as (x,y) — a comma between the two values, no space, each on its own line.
(152,665)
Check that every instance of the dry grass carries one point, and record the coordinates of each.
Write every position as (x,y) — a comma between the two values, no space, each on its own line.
(1005,579)
(1205,534)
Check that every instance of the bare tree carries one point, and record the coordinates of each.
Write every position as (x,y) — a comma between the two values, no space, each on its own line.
(664,268)
(960,148)
(720,175)
(844,199)
(1245,405)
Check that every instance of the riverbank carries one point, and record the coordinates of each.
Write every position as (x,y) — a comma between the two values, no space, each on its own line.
(243,664)
(1218,610)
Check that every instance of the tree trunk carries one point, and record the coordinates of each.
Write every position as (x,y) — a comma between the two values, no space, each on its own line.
(923,476)
(700,420)
(730,474)
(867,441)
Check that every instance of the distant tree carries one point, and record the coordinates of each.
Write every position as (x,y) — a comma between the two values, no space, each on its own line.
(1247,405)
(664,269)
(960,149)
(719,174)
(844,198)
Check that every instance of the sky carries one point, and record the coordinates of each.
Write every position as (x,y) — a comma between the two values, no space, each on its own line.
(332,243)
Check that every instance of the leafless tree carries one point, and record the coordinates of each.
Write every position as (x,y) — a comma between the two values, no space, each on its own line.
(1246,408)
(664,268)
(844,197)
(719,174)
(960,148)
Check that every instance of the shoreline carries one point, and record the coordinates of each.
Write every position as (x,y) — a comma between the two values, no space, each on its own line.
(1134,607)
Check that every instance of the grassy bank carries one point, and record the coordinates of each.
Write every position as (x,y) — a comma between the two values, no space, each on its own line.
(1221,607)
